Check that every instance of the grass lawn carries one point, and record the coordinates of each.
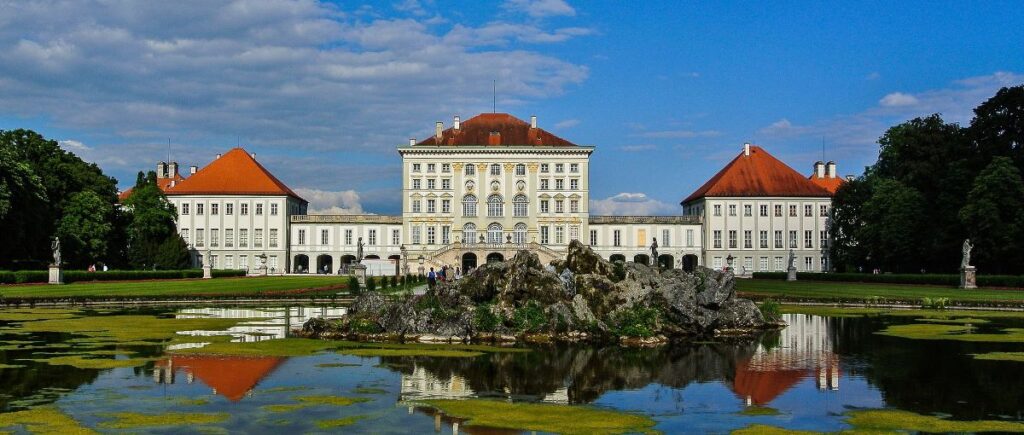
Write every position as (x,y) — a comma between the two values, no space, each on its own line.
(275,286)
(859,292)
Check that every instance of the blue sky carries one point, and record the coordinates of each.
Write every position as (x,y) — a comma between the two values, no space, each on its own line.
(666,91)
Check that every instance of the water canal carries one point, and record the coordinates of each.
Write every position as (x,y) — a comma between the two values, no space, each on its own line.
(232,370)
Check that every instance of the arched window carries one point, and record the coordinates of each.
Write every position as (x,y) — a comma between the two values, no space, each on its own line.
(495,169)
(520,169)
(469,206)
(495,206)
(519,236)
(494,233)
(470,169)
(520,206)
(469,233)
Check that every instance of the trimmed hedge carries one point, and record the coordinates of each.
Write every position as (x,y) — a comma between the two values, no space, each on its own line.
(927,279)
(31,276)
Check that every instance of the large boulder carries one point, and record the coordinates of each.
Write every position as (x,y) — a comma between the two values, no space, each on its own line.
(583,261)
(528,280)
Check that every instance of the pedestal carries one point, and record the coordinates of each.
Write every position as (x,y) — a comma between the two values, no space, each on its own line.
(359,271)
(968,277)
(263,271)
(207,272)
(56,275)
(791,274)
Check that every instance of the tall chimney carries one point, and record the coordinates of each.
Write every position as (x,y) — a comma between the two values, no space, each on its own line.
(161,170)
(218,156)
(438,131)
(830,171)
(458,123)
(533,121)
(172,169)
(746,149)
(412,141)
(192,170)
(819,169)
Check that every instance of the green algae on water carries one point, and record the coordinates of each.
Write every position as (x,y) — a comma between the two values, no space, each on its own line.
(43,420)
(80,361)
(933,331)
(337,365)
(891,420)
(289,407)
(759,411)
(339,422)
(763,429)
(331,400)
(11,366)
(130,420)
(564,419)
(366,390)
(1001,356)
(283,389)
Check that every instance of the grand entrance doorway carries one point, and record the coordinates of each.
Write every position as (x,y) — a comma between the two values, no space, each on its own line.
(468,262)
(495,257)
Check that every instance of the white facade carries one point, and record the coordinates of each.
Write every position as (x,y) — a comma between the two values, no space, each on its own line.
(332,240)
(759,232)
(234,229)
(629,238)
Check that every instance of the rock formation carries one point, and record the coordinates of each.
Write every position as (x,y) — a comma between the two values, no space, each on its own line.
(582,297)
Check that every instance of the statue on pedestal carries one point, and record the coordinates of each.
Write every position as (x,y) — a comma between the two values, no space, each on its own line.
(654,251)
(359,251)
(55,247)
(965,262)
(792,259)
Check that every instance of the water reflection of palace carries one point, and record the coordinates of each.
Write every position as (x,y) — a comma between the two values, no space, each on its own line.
(233,377)
(804,350)
(264,323)
(424,385)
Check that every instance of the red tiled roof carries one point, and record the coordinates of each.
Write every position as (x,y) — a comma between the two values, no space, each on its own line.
(230,376)
(510,131)
(234,173)
(831,184)
(759,174)
(162,183)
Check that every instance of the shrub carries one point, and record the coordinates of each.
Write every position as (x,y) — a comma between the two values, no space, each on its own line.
(364,326)
(934,303)
(927,279)
(353,285)
(619,270)
(484,319)
(370,284)
(394,281)
(636,321)
(529,318)
(384,281)
(771,310)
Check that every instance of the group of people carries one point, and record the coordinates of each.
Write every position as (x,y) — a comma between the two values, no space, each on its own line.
(92,267)
(446,273)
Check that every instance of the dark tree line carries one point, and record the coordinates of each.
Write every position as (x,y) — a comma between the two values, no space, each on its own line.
(935,184)
(46,191)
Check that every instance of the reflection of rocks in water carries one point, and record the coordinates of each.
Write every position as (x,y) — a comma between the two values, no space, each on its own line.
(571,373)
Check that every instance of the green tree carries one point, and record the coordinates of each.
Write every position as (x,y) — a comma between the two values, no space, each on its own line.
(894,228)
(151,224)
(998,126)
(846,252)
(993,217)
(85,228)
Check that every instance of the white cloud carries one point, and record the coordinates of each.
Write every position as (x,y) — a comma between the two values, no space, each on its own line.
(540,8)
(897,99)
(73,145)
(568,123)
(679,134)
(631,204)
(328,202)
(873,76)
(638,148)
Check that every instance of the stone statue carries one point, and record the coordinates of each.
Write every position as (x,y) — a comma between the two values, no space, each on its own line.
(55,247)
(654,251)
(359,251)
(966,261)
(792,259)
(208,259)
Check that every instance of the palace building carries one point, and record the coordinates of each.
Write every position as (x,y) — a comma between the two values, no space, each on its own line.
(484,188)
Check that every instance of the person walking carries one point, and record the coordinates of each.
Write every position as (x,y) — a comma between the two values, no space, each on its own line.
(431,279)
(458,273)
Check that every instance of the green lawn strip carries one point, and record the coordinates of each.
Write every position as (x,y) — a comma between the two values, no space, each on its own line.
(43,420)
(282,347)
(891,420)
(80,361)
(564,419)
(131,420)
(11,366)
(130,328)
(1001,356)
(853,291)
(339,422)
(254,286)
(932,331)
